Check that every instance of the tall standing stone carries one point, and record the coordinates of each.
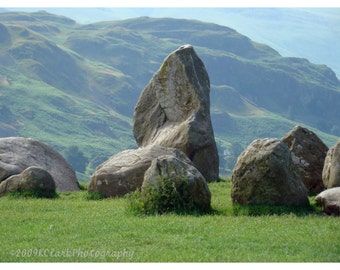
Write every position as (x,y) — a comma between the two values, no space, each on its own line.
(174,111)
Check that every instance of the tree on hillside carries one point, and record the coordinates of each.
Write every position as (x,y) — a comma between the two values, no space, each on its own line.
(76,158)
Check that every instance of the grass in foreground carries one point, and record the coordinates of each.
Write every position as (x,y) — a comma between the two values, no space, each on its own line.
(72,228)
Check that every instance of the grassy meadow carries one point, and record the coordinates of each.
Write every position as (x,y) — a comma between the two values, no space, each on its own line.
(72,228)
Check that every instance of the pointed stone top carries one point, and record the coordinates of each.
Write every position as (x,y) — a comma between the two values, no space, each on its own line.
(187,46)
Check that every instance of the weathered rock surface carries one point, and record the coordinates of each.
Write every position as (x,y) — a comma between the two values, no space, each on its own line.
(308,153)
(330,201)
(31,179)
(331,169)
(188,181)
(124,172)
(174,111)
(17,154)
(266,174)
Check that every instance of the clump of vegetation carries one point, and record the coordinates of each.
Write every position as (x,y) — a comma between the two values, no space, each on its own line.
(265,210)
(33,194)
(94,196)
(165,195)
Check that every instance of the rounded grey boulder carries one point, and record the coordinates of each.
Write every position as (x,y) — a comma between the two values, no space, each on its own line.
(32,179)
(184,176)
(330,201)
(265,174)
(124,172)
(17,154)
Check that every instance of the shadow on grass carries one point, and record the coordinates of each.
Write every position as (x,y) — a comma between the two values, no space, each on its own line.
(38,194)
(268,210)
(240,210)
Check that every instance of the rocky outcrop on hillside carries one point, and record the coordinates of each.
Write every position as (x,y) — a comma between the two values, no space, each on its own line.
(174,111)
(308,153)
(17,154)
(124,172)
(266,174)
(331,169)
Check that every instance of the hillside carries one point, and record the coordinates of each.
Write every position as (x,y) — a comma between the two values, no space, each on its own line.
(311,33)
(69,84)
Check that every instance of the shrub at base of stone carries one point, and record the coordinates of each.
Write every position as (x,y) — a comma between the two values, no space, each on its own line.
(265,174)
(171,185)
(32,182)
(330,201)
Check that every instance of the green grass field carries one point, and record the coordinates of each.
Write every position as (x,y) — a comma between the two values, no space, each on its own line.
(72,228)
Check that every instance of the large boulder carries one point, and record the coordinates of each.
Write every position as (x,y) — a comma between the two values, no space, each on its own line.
(330,201)
(124,172)
(331,169)
(188,186)
(266,174)
(17,154)
(32,179)
(174,111)
(308,153)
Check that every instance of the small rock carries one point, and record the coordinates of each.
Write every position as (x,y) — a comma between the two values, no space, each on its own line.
(32,179)
(330,201)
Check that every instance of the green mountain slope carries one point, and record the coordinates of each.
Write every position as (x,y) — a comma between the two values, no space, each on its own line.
(70,85)
(311,33)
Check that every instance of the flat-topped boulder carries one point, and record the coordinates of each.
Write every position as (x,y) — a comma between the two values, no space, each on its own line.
(174,111)
(124,172)
(17,154)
